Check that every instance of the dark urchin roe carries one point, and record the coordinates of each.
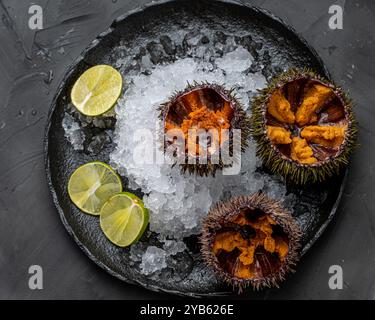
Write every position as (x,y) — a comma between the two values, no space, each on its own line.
(253,248)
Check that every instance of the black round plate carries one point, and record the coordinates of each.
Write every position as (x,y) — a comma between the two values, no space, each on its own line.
(281,49)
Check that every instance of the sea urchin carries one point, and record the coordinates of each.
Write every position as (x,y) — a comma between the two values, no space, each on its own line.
(250,241)
(304,127)
(209,109)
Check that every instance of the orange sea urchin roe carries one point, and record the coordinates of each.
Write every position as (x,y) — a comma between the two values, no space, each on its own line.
(313,100)
(263,237)
(200,116)
(228,241)
(302,152)
(320,125)
(204,118)
(327,136)
(280,108)
(281,248)
(269,244)
(279,135)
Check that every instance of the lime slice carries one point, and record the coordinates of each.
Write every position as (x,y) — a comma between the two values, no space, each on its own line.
(123,219)
(97,90)
(91,185)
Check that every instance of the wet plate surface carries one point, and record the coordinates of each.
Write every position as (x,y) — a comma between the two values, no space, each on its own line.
(137,44)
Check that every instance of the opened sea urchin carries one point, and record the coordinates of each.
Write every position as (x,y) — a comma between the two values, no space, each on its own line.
(304,127)
(250,241)
(213,110)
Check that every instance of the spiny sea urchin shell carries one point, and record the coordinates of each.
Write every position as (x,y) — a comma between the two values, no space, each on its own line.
(250,241)
(205,106)
(304,127)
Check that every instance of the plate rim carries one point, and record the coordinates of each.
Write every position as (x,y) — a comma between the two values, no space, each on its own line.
(60,87)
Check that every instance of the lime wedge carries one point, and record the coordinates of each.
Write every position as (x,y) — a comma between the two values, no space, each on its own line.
(91,185)
(97,90)
(123,219)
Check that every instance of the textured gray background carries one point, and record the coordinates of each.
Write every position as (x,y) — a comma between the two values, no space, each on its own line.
(33,63)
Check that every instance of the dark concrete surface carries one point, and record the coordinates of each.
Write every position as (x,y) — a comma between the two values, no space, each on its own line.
(33,63)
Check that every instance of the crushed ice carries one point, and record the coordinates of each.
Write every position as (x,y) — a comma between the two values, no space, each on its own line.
(152,258)
(73,132)
(177,202)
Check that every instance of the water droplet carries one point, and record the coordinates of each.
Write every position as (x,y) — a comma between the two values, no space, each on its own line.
(114,1)
(33,112)
(20,113)
(2,125)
